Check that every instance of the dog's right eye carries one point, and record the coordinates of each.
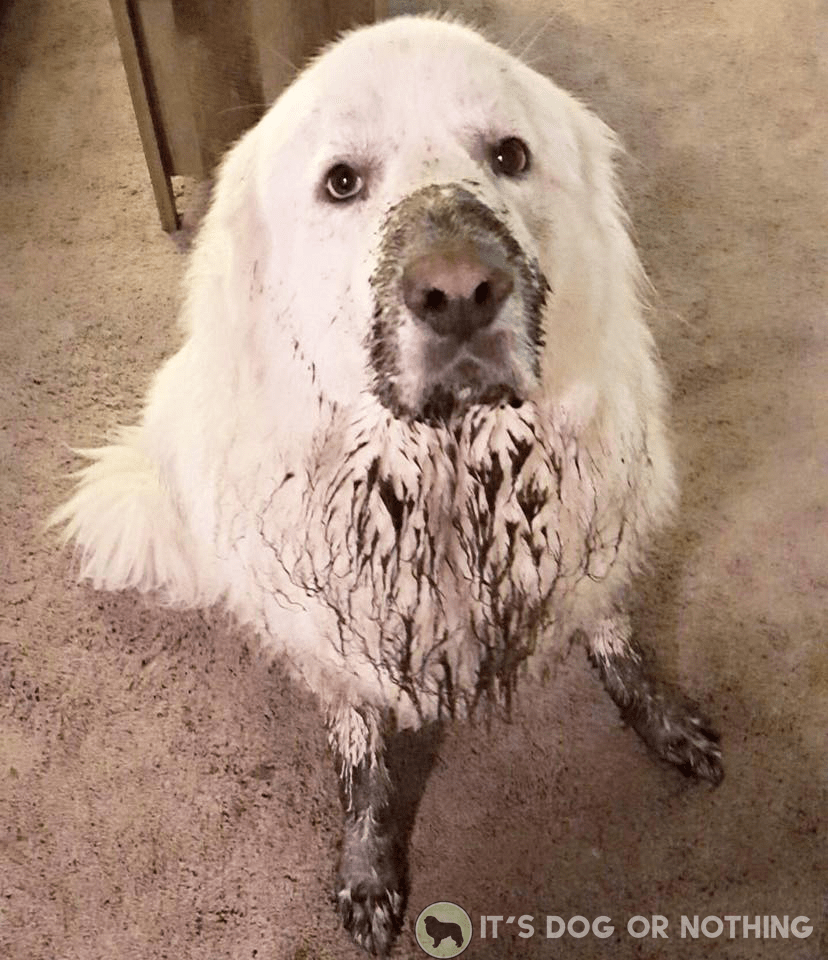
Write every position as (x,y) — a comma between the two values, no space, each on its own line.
(343,182)
(510,157)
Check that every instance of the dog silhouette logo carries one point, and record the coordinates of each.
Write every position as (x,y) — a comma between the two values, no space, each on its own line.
(439,931)
(443,929)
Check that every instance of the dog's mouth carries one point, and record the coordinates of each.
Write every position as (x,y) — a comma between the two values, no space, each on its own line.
(443,403)
(464,374)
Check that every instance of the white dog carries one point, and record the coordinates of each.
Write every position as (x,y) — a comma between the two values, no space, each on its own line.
(415,433)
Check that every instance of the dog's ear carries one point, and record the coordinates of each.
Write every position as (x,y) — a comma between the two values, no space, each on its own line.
(601,153)
(628,367)
(619,272)
(600,290)
(224,279)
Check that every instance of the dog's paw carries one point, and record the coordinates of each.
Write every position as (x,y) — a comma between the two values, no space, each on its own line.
(371,913)
(369,888)
(681,736)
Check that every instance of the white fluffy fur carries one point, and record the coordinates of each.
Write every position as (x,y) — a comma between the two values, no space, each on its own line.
(208,499)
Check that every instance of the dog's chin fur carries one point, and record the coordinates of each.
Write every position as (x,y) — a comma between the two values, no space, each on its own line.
(447,405)
(405,559)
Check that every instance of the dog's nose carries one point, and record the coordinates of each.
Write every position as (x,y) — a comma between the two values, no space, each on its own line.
(455,290)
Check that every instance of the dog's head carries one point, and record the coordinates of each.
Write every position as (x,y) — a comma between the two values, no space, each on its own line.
(422,218)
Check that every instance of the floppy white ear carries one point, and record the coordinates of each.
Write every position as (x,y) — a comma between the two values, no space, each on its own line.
(633,383)
(613,283)
(601,152)
(230,252)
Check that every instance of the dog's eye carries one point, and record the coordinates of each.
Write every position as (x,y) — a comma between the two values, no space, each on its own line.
(510,157)
(343,182)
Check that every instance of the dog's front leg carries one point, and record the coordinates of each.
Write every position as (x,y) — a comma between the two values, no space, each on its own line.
(370,878)
(669,724)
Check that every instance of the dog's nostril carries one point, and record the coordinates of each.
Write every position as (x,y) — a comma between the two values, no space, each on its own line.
(435,300)
(456,290)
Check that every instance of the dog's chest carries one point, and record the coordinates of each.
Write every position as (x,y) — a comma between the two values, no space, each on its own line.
(447,553)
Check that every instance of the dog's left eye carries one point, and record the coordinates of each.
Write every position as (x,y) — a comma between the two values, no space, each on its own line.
(343,182)
(510,157)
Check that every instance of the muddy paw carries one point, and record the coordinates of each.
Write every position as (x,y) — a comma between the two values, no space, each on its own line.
(692,745)
(371,913)
(369,885)
(678,734)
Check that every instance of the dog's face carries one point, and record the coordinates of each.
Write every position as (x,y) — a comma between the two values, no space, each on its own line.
(435,224)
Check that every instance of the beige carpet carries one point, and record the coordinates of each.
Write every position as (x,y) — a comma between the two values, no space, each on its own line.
(166,794)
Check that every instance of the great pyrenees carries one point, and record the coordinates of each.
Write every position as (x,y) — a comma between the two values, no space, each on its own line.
(415,434)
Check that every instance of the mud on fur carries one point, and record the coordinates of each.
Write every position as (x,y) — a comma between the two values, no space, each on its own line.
(415,434)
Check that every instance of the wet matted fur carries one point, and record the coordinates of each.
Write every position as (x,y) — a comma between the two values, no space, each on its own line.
(415,434)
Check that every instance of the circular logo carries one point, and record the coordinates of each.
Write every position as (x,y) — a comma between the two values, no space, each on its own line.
(443,929)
